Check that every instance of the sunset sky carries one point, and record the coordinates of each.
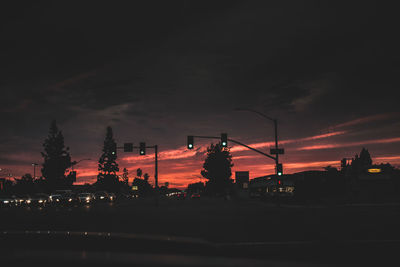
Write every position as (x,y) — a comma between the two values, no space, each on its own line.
(161,70)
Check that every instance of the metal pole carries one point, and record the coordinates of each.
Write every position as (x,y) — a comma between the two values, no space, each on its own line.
(156,172)
(34,171)
(276,160)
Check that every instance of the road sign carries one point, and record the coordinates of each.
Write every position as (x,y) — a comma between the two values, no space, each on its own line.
(277,151)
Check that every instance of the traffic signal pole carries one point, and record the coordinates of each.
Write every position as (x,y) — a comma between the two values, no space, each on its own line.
(156,171)
(277,161)
(128,147)
(276,152)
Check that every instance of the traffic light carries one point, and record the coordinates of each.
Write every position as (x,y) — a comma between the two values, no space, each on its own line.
(114,149)
(190,142)
(279,169)
(142,148)
(224,140)
(128,147)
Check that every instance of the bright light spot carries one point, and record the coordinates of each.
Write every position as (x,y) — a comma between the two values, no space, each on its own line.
(374,170)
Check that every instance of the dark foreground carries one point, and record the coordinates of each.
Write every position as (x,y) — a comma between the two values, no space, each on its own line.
(203,232)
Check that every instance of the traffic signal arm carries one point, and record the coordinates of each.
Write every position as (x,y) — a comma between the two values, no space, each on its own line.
(239,143)
(255,150)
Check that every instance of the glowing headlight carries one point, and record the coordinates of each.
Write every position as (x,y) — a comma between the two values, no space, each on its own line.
(111,198)
(101,197)
(57,200)
(28,201)
(6,201)
(40,201)
(70,199)
(88,198)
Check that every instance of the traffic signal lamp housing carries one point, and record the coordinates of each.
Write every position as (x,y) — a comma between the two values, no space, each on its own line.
(190,142)
(279,169)
(114,149)
(224,140)
(142,148)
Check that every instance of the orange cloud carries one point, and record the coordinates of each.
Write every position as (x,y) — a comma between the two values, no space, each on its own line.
(368,142)
(366,119)
(290,141)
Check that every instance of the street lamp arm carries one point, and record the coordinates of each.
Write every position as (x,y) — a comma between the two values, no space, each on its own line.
(257,112)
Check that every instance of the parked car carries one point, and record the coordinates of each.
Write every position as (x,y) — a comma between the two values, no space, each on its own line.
(101,196)
(18,200)
(112,197)
(7,201)
(39,199)
(181,196)
(85,198)
(69,199)
(195,196)
(55,198)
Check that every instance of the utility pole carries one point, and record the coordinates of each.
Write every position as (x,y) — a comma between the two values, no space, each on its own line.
(156,172)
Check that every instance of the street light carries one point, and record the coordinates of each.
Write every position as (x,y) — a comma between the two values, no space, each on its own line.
(34,169)
(275,121)
(277,151)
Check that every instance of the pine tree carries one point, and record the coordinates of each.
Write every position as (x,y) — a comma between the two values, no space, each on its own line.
(217,169)
(108,167)
(56,158)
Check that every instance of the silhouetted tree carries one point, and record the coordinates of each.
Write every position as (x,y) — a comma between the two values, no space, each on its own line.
(125,175)
(108,167)
(144,188)
(56,158)
(362,162)
(139,173)
(24,185)
(146,176)
(217,169)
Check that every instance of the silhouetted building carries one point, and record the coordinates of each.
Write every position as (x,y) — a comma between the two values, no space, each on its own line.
(242,179)
(268,186)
